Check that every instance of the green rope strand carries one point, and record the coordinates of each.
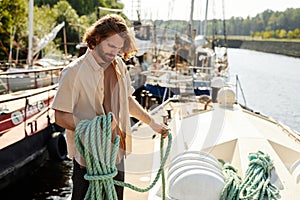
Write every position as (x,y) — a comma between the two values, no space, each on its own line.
(101,156)
(232,183)
(163,181)
(256,184)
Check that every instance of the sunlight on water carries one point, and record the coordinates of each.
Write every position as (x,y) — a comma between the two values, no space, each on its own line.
(270,83)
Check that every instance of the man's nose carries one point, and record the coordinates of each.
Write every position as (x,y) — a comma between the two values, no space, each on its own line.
(114,51)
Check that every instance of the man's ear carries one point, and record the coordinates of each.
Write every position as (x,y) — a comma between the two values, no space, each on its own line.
(98,40)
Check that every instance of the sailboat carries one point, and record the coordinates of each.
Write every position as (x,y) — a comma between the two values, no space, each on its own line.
(187,67)
(28,133)
(38,73)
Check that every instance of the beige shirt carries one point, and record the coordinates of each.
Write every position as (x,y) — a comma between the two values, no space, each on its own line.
(81,92)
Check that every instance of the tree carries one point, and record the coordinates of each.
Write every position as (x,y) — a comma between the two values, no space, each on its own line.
(13,16)
(290,35)
(296,33)
(282,33)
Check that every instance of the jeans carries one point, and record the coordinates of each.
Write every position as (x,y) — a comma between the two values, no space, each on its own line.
(80,185)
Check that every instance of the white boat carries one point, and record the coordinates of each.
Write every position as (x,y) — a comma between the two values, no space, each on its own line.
(210,138)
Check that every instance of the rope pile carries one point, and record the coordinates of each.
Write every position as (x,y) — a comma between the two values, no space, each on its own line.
(232,183)
(93,141)
(256,185)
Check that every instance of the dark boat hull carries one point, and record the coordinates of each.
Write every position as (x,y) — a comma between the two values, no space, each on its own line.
(25,157)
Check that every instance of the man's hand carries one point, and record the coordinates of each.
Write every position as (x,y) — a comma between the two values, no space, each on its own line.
(159,128)
(113,121)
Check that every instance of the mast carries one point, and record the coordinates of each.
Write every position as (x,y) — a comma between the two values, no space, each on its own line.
(205,21)
(224,25)
(191,21)
(30,36)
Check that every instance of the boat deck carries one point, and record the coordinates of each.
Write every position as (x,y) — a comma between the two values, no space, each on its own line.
(143,163)
(229,134)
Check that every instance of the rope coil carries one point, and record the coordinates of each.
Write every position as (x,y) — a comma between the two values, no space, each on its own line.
(93,141)
(232,183)
(255,186)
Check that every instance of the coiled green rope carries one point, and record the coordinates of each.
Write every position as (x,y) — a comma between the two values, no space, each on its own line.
(256,184)
(100,156)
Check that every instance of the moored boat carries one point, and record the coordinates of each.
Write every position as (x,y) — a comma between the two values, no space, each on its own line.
(28,133)
(220,150)
(29,136)
(16,79)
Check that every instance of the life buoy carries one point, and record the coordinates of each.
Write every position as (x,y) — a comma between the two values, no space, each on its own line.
(57,146)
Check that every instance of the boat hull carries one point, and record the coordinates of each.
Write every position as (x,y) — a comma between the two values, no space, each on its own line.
(26,156)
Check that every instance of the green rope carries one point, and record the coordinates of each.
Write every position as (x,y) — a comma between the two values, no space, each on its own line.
(100,158)
(232,183)
(256,184)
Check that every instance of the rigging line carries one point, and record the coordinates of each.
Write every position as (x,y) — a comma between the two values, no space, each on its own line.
(224,24)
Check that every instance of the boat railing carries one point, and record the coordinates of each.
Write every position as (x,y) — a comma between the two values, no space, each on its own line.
(34,74)
(27,95)
(27,118)
(238,88)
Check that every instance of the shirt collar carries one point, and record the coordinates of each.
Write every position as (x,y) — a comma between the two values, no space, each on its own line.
(93,63)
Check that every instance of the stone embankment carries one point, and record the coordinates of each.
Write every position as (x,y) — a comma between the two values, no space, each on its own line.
(288,48)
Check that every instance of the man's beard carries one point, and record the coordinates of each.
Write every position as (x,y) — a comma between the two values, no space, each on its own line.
(106,58)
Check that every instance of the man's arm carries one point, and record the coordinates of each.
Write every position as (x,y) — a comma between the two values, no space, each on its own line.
(65,120)
(137,111)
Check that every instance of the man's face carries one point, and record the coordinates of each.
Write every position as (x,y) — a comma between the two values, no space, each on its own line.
(106,51)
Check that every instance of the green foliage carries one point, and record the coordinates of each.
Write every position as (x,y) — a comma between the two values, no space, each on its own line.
(77,15)
(296,33)
(80,14)
(282,33)
(266,22)
(263,25)
(13,19)
(290,35)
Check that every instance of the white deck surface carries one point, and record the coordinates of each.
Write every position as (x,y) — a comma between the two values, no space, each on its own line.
(230,134)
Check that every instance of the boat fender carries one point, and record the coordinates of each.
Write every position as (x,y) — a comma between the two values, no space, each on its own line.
(57,146)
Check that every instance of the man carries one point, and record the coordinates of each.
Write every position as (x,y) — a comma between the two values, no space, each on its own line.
(95,84)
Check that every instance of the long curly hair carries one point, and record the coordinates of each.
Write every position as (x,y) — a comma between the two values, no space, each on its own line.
(107,26)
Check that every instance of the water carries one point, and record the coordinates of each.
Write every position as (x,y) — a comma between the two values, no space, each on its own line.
(269,82)
(50,182)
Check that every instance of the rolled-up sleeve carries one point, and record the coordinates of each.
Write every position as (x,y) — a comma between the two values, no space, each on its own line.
(65,97)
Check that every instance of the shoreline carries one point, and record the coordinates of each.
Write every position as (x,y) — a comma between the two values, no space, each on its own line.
(287,48)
